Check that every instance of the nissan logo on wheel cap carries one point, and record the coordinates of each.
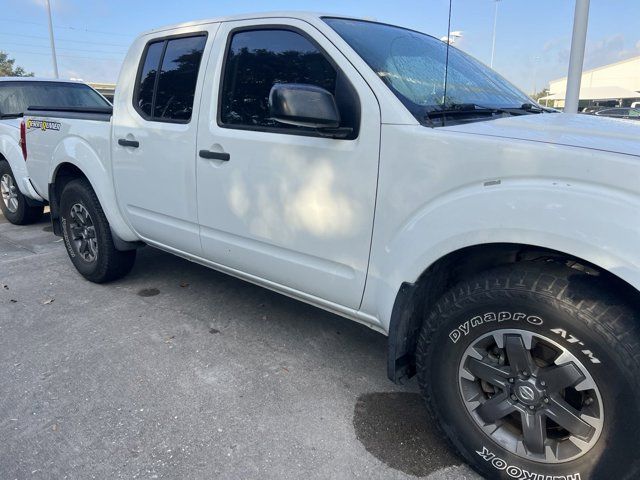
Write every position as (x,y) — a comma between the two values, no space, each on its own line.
(525,392)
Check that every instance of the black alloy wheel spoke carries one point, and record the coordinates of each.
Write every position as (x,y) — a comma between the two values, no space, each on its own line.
(534,429)
(76,231)
(559,377)
(497,407)
(487,372)
(519,357)
(569,418)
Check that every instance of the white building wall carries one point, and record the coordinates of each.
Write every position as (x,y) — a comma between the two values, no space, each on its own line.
(624,74)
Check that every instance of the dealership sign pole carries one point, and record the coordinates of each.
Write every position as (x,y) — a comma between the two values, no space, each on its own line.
(576,59)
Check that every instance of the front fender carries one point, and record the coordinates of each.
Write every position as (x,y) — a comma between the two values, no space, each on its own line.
(588,221)
(92,162)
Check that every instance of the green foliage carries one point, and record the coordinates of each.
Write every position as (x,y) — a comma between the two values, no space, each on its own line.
(542,93)
(7,68)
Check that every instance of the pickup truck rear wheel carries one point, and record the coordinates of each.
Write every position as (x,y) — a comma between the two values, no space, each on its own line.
(14,205)
(87,235)
(531,371)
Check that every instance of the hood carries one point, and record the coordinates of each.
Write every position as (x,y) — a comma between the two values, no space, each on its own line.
(575,130)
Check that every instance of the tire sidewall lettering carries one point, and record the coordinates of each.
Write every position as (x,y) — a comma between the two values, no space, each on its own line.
(65,234)
(467,327)
(519,473)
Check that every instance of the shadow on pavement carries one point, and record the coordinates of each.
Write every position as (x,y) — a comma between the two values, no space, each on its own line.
(394,427)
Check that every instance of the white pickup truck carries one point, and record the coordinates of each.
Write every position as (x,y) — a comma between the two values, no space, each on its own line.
(21,203)
(348,164)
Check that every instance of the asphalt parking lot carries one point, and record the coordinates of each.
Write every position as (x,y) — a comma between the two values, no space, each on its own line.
(178,371)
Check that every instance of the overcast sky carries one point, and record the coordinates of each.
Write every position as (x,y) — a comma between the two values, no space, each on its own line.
(532,46)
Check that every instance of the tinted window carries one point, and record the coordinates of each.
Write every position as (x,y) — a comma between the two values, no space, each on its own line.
(258,59)
(16,97)
(178,76)
(168,95)
(148,76)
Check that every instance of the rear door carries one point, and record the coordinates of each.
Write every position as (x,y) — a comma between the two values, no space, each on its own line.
(154,138)
(289,206)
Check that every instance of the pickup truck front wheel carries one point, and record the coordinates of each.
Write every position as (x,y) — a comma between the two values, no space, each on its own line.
(531,371)
(14,205)
(87,235)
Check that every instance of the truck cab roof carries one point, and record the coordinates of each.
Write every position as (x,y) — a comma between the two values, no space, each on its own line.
(299,15)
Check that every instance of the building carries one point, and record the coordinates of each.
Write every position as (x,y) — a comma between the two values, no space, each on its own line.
(106,89)
(610,85)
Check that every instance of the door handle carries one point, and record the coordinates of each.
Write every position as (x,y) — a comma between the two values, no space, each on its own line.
(209,155)
(128,143)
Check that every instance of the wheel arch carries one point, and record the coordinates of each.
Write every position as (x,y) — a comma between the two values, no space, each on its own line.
(67,171)
(413,299)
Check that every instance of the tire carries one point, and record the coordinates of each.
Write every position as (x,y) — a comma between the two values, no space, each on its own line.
(14,204)
(537,311)
(87,235)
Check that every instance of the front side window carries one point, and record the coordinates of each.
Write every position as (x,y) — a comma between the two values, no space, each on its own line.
(16,97)
(258,59)
(167,78)
(412,65)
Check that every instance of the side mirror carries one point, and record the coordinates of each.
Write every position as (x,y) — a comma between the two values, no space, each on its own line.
(303,105)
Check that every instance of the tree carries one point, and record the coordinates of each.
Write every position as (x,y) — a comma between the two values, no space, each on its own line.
(541,94)
(8,70)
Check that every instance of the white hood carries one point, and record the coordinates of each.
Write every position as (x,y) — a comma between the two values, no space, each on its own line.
(576,130)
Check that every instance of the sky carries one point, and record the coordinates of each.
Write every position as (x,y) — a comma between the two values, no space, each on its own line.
(533,37)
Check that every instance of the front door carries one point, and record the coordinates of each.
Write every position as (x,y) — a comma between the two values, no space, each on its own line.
(280,202)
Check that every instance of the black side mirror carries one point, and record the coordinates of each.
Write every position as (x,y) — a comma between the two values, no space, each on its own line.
(303,105)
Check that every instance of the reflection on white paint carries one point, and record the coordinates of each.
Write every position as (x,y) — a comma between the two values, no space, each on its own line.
(310,201)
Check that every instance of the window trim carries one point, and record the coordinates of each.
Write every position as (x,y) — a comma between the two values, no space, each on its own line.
(280,130)
(136,92)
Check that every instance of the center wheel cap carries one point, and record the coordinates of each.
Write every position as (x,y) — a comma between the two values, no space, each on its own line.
(528,393)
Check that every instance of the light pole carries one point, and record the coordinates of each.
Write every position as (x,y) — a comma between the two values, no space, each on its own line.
(495,24)
(536,59)
(576,58)
(53,43)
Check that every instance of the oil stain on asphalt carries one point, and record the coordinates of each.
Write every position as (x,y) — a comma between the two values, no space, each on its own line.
(394,427)
(148,292)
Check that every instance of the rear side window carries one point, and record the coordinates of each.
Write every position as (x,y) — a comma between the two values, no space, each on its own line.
(148,77)
(167,78)
(255,61)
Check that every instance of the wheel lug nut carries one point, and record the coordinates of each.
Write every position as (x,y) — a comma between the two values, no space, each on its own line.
(545,399)
(525,373)
(511,380)
(531,407)
(514,398)
(543,383)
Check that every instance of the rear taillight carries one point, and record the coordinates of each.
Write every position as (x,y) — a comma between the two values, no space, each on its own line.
(23,139)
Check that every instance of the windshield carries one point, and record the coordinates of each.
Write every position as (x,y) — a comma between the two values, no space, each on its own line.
(412,65)
(16,97)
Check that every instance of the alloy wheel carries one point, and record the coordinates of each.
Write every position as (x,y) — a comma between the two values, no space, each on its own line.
(83,233)
(531,395)
(9,192)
